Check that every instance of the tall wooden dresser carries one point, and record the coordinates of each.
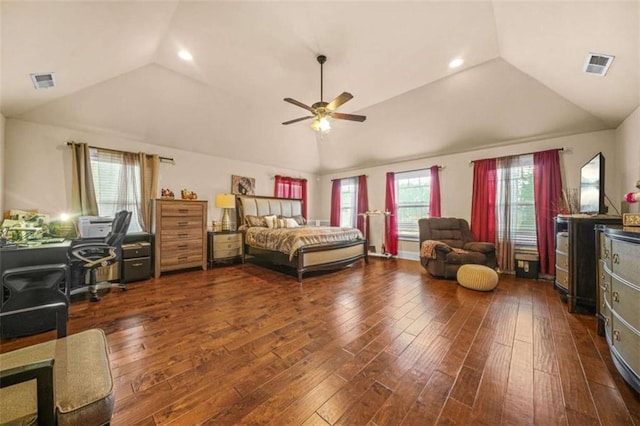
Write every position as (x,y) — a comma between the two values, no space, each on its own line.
(619,299)
(180,228)
(576,259)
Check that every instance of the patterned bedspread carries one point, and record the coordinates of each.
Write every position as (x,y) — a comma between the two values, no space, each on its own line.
(289,240)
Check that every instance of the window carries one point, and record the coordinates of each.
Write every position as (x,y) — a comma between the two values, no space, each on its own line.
(515,206)
(412,197)
(348,202)
(116,180)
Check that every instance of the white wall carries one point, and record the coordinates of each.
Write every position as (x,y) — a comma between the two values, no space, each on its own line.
(628,144)
(2,162)
(38,169)
(456,178)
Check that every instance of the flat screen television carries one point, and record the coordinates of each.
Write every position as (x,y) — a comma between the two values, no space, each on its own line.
(592,186)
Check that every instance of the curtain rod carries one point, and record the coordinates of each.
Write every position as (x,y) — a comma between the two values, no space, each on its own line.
(524,153)
(349,177)
(417,170)
(163,159)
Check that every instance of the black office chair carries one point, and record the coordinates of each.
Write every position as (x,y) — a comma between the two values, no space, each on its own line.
(34,299)
(89,254)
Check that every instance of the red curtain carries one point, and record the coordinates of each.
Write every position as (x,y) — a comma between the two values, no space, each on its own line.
(335,203)
(483,201)
(362,202)
(288,187)
(434,200)
(391,230)
(547,192)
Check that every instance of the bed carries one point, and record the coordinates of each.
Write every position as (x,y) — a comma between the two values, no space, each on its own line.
(304,248)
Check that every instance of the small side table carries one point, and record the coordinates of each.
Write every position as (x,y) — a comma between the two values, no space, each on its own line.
(224,246)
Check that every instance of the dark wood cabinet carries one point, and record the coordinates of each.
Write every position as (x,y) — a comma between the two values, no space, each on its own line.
(577,259)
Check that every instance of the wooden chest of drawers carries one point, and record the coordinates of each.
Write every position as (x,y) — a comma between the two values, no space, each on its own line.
(225,246)
(619,299)
(180,228)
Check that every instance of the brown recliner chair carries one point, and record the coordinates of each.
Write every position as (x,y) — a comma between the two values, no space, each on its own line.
(446,244)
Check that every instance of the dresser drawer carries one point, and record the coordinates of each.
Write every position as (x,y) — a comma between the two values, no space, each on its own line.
(606,315)
(182,209)
(225,253)
(222,245)
(178,245)
(624,260)
(180,234)
(604,284)
(227,238)
(625,301)
(627,343)
(562,260)
(180,258)
(562,242)
(179,223)
(562,278)
(605,249)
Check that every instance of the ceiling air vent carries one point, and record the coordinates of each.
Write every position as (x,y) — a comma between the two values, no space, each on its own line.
(44,80)
(598,64)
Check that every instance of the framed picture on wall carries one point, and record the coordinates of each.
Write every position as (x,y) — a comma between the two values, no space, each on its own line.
(243,185)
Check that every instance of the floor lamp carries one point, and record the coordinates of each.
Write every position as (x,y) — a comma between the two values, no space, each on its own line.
(225,202)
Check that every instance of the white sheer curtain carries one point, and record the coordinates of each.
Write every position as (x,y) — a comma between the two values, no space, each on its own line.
(116,178)
(515,208)
(505,214)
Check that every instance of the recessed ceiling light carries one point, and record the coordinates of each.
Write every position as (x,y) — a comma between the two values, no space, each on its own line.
(456,63)
(185,55)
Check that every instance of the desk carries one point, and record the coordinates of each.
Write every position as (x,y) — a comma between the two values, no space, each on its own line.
(34,255)
(48,253)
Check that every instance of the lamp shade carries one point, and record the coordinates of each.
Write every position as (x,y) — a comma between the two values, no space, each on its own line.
(225,201)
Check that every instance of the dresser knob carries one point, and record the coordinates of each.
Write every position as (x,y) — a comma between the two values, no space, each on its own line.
(616,296)
(606,253)
(616,335)
(616,258)
(607,320)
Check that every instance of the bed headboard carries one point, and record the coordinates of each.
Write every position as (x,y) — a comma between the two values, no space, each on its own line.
(263,206)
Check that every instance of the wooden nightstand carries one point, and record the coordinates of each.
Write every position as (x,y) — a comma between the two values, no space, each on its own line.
(225,246)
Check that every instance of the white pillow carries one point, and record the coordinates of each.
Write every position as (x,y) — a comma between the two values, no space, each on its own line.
(270,221)
(291,222)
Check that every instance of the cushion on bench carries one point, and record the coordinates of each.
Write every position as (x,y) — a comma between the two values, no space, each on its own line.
(82,378)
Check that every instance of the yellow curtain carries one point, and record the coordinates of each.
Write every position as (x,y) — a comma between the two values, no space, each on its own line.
(83,196)
(149,170)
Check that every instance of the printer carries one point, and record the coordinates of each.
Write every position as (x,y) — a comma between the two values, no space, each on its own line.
(94,226)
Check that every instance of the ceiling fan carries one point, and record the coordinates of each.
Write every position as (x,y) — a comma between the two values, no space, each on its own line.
(322,111)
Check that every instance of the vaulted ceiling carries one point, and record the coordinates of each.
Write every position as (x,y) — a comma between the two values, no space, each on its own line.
(118,72)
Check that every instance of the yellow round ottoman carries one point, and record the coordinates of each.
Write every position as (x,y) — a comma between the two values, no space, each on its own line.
(477,277)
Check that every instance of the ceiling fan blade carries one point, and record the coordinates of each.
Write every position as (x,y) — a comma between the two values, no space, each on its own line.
(298,103)
(351,117)
(299,119)
(342,98)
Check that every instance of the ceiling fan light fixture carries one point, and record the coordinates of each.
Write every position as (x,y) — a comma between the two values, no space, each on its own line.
(321,124)
(322,111)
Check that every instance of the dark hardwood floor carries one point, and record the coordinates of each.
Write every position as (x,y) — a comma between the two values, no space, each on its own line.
(368,345)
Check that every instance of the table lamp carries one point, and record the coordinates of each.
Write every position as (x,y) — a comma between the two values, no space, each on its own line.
(225,202)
